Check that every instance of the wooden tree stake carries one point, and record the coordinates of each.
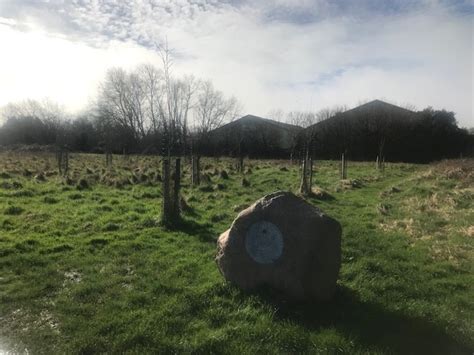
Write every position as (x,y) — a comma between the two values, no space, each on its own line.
(343,167)
(167,208)
(195,173)
(177,187)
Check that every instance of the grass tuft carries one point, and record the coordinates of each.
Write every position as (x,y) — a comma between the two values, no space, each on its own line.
(13,210)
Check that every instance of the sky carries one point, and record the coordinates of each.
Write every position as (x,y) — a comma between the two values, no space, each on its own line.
(270,55)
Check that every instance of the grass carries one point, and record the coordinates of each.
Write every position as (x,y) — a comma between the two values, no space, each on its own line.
(85,266)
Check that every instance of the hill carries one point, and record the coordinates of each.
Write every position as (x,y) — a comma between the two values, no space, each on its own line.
(377,107)
(378,128)
(255,136)
(373,110)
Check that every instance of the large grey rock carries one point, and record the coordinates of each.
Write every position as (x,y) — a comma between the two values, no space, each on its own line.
(282,241)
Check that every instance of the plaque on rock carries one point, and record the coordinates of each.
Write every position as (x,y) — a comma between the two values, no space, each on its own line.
(284,242)
(264,242)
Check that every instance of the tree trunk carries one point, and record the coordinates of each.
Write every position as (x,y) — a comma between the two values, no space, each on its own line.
(167,209)
(198,169)
(343,167)
(59,158)
(108,159)
(304,182)
(195,173)
(176,190)
(66,162)
(240,162)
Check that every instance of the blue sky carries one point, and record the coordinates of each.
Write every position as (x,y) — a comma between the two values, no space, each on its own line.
(281,54)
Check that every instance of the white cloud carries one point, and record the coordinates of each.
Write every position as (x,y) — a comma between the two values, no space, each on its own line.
(38,65)
(276,54)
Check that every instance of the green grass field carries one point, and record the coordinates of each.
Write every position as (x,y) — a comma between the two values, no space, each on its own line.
(86,267)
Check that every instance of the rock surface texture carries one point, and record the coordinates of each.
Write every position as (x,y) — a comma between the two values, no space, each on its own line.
(284,242)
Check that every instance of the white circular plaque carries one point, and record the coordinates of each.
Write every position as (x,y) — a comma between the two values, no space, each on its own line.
(264,242)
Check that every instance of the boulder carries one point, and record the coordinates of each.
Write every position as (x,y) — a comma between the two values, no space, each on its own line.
(286,243)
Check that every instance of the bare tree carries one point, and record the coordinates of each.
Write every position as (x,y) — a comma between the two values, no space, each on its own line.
(49,113)
(277,115)
(176,103)
(122,101)
(147,100)
(183,97)
(46,110)
(151,100)
(153,84)
(213,109)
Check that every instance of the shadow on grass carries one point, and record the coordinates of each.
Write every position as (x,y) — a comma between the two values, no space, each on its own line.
(203,231)
(370,323)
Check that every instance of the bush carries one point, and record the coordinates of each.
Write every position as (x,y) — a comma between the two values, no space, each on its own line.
(13,210)
(82,184)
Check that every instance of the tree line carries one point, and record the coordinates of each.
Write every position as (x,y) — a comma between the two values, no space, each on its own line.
(380,131)
(150,110)
(144,110)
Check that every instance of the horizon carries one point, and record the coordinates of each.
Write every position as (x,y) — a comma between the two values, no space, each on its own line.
(304,55)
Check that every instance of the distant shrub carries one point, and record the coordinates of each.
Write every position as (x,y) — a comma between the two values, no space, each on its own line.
(87,225)
(6,185)
(27,173)
(205,178)
(68,181)
(17,185)
(111,227)
(40,177)
(185,207)
(218,217)
(6,252)
(150,222)
(59,249)
(50,200)
(224,174)
(7,225)
(98,242)
(13,210)
(82,184)
(22,193)
(105,208)
(150,195)
(205,188)
(27,245)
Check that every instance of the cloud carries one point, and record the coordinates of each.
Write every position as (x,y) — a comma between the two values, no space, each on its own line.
(296,54)
(40,65)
